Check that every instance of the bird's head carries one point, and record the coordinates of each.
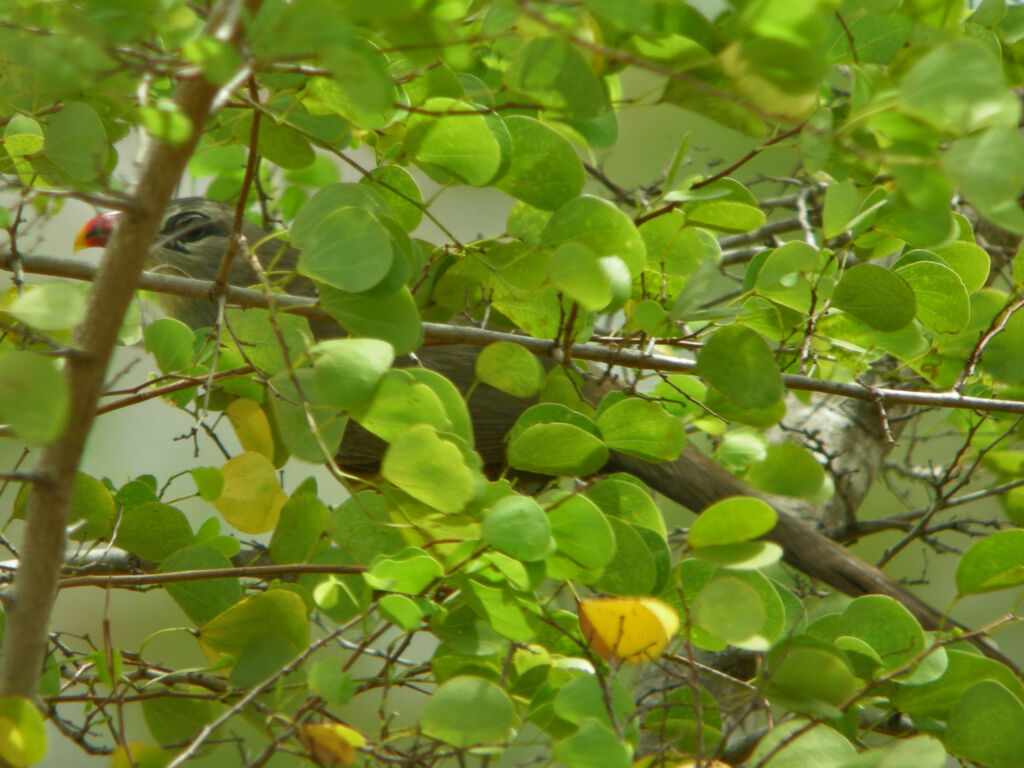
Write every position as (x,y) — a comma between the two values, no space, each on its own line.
(193,238)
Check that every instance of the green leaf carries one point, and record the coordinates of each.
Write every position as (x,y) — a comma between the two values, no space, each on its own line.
(600,226)
(919,751)
(988,168)
(918,228)
(742,556)
(787,469)
(399,403)
(876,296)
(302,522)
(737,361)
(517,526)
(550,71)
(92,509)
(464,632)
(557,449)
(732,520)
(171,342)
(429,468)
(361,527)
(460,145)
(642,428)
(49,307)
(626,499)
(740,607)
(632,570)
(404,612)
(330,683)
(874,38)
(784,273)
(173,720)
(885,625)
(582,534)
(255,338)
(23,136)
(510,368)
(943,305)
(526,223)
(725,215)
(842,202)
(76,142)
(217,58)
(594,745)
(345,371)
(331,199)
(274,622)
(468,711)
(994,562)
(340,596)
(499,607)
(153,531)
(400,192)
(584,698)
(23,735)
(203,599)
(936,698)
(675,251)
(279,143)
(730,609)
(811,676)
(293,420)
(544,170)
(576,271)
(818,745)
(711,94)
(456,412)
(409,572)
(393,318)
(960,86)
(986,726)
(347,249)
(969,260)
(34,397)
(365,90)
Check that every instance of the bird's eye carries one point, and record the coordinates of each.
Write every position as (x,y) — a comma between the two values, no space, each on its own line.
(189,227)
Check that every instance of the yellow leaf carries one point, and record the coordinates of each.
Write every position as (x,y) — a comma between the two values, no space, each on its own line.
(252,499)
(331,744)
(22,735)
(251,426)
(630,630)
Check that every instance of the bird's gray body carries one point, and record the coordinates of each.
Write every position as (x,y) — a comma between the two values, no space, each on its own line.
(192,242)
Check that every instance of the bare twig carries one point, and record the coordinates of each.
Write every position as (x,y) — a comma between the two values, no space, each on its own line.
(237,572)
(452,334)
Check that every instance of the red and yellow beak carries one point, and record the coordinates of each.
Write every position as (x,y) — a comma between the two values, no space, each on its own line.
(97,231)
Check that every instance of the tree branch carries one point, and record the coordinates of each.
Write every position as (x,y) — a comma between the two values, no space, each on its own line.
(440,333)
(235,572)
(42,553)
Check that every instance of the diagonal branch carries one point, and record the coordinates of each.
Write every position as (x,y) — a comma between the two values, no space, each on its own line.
(42,553)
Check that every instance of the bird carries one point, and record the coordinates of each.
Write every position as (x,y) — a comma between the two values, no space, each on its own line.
(192,241)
